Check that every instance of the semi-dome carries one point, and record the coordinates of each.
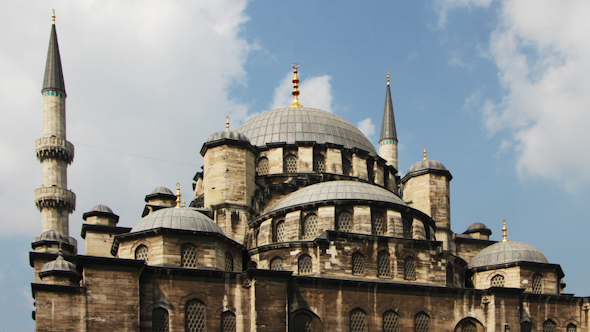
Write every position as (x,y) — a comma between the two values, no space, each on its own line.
(337,191)
(177,218)
(293,124)
(428,164)
(507,252)
(227,135)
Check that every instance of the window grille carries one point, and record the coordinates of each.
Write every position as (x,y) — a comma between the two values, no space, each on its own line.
(262,167)
(409,268)
(346,166)
(468,327)
(310,226)
(498,281)
(229,261)
(319,163)
(537,283)
(421,322)
(302,322)
(571,328)
(383,264)
(280,231)
(526,327)
(357,264)
(276,264)
(407,225)
(549,326)
(195,316)
(377,224)
(304,264)
(344,222)
(142,253)
(228,322)
(290,164)
(390,322)
(450,274)
(358,321)
(160,320)
(188,255)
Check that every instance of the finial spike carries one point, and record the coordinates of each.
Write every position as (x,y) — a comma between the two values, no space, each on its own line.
(227,123)
(425,156)
(183,202)
(388,77)
(53,16)
(504,229)
(178,195)
(295,87)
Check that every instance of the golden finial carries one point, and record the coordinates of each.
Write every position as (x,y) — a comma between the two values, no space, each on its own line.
(295,87)
(227,123)
(183,202)
(504,229)
(388,77)
(425,157)
(53,16)
(178,195)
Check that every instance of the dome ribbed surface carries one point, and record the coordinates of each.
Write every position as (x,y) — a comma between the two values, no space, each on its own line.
(293,124)
(101,208)
(59,264)
(55,236)
(162,190)
(228,135)
(177,218)
(337,190)
(426,164)
(507,252)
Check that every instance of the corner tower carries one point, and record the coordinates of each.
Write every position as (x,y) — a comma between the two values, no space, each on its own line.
(388,138)
(54,199)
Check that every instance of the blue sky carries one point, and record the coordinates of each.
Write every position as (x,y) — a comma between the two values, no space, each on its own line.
(496,90)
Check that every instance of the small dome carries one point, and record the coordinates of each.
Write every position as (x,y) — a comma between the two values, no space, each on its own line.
(293,124)
(59,265)
(227,135)
(162,190)
(101,208)
(177,218)
(337,190)
(477,226)
(507,252)
(426,164)
(55,236)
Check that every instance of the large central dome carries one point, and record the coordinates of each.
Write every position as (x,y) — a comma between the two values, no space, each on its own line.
(294,124)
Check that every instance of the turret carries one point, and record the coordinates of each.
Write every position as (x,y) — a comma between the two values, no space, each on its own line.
(54,199)
(388,138)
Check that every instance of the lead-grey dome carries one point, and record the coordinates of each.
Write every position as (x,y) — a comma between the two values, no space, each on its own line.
(101,208)
(507,252)
(293,124)
(177,218)
(59,265)
(227,135)
(426,164)
(337,191)
(162,190)
(55,236)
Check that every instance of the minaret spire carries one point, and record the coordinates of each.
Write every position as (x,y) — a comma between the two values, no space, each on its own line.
(54,79)
(388,139)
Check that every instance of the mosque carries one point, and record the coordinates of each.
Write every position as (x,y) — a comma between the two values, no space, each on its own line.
(297,224)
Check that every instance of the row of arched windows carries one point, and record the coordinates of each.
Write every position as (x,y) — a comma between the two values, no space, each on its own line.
(195,319)
(188,256)
(290,164)
(548,326)
(537,283)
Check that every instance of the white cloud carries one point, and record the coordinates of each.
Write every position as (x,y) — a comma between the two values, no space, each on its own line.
(367,127)
(443,7)
(315,92)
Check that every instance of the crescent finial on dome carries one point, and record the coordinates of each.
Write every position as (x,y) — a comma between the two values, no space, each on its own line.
(504,229)
(227,123)
(295,87)
(425,156)
(178,195)
(53,16)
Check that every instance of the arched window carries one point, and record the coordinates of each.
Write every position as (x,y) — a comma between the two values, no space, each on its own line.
(497,281)
(407,228)
(229,261)
(302,322)
(358,321)
(160,320)
(549,326)
(370,171)
(410,268)
(188,255)
(421,322)
(310,226)
(304,264)
(571,328)
(263,166)
(357,264)
(279,235)
(346,166)
(290,165)
(276,264)
(537,283)
(344,221)
(319,163)
(450,274)
(468,326)
(526,327)
(383,269)
(228,322)
(194,319)
(390,321)
(141,253)
(377,223)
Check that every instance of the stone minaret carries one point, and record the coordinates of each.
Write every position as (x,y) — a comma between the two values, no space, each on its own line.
(54,199)
(388,138)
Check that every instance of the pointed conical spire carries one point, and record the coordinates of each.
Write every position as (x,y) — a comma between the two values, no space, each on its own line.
(388,125)
(54,78)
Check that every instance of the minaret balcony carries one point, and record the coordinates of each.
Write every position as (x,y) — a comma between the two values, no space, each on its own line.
(55,198)
(54,148)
